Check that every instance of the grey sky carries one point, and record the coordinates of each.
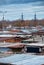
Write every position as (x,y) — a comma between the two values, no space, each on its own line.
(14,9)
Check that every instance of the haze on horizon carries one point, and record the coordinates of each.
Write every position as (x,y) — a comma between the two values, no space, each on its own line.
(14,9)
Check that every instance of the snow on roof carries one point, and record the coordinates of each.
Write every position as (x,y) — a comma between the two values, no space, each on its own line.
(26,31)
(37,44)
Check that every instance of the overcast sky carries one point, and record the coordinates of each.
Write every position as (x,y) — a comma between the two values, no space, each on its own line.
(14,9)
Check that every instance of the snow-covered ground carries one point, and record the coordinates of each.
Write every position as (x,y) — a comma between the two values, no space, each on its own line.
(23,59)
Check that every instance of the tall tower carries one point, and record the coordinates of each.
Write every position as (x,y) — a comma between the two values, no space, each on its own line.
(22,16)
(35,23)
(3,16)
(35,17)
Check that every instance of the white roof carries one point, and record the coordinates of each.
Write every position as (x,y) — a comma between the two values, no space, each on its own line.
(23,59)
(28,40)
(36,44)
(8,35)
(26,31)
